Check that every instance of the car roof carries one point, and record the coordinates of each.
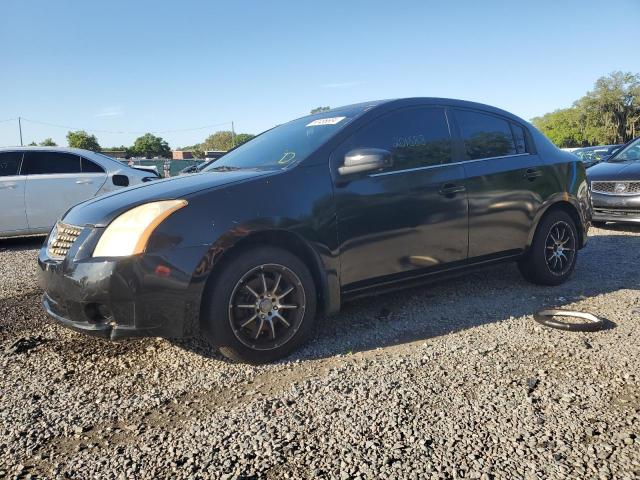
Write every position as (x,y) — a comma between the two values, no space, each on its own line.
(414,101)
(77,151)
(95,156)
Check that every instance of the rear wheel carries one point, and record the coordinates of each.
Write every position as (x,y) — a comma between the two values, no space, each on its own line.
(554,250)
(260,306)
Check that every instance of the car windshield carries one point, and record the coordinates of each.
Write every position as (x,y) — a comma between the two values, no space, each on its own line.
(285,144)
(630,153)
(584,153)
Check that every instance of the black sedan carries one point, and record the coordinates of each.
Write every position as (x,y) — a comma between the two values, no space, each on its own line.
(313,213)
(615,186)
(591,156)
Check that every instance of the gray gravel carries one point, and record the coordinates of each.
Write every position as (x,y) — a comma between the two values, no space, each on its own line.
(453,380)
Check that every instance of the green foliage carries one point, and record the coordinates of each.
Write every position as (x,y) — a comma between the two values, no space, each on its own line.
(564,127)
(320,110)
(48,142)
(225,140)
(150,146)
(81,139)
(32,144)
(221,140)
(242,138)
(612,108)
(610,113)
(115,149)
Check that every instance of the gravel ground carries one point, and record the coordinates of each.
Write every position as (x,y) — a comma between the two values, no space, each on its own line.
(453,380)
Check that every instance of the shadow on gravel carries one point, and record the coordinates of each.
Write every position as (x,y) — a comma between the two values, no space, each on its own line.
(487,296)
(21,243)
(479,298)
(621,227)
(198,345)
(608,264)
(491,295)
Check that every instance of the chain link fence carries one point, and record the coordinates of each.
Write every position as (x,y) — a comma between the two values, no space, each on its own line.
(174,165)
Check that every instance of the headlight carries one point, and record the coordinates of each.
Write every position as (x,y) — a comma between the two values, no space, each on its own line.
(129,233)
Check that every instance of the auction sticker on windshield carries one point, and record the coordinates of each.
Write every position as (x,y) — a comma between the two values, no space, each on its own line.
(326,121)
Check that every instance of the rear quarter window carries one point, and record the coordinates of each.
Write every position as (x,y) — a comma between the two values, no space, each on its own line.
(90,167)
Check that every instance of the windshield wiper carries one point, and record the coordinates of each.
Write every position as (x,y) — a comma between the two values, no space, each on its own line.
(224,168)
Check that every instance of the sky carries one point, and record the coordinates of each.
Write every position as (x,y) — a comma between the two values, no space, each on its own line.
(174,67)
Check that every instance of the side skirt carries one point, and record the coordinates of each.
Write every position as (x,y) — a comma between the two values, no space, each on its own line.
(424,278)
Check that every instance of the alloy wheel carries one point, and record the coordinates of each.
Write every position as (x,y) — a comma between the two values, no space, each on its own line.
(560,248)
(267,307)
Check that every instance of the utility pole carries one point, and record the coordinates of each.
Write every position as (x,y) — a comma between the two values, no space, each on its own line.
(20,128)
(233,136)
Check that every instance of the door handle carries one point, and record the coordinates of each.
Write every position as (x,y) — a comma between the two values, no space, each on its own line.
(532,173)
(84,182)
(450,189)
(8,186)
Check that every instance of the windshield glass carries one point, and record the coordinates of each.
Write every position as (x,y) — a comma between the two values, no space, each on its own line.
(285,144)
(631,153)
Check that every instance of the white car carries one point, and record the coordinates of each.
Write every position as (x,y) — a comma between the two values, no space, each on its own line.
(39,184)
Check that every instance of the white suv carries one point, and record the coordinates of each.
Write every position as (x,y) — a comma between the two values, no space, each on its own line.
(39,184)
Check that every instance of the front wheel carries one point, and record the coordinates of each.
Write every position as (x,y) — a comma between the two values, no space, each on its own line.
(552,256)
(260,306)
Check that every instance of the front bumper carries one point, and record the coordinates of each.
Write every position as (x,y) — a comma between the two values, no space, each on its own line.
(103,329)
(616,208)
(118,298)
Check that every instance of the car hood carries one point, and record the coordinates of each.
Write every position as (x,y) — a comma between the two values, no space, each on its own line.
(100,211)
(614,171)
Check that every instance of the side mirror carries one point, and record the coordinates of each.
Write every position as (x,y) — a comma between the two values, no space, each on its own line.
(365,160)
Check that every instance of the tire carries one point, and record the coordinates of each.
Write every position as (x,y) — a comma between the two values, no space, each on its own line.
(253,324)
(548,261)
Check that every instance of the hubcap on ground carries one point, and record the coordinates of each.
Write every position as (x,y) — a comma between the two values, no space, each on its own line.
(560,248)
(267,307)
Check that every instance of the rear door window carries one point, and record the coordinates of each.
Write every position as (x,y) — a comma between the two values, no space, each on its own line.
(416,137)
(90,167)
(42,163)
(10,163)
(485,136)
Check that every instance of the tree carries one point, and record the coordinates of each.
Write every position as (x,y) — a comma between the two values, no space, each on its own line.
(32,144)
(242,138)
(224,140)
(221,140)
(81,139)
(320,110)
(610,113)
(48,142)
(613,107)
(115,149)
(150,146)
(563,127)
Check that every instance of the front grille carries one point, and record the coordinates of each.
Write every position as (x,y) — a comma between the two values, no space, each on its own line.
(61,239)
(616,188)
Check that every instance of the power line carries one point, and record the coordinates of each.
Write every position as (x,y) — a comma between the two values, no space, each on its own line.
(9,120)
(123,132)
